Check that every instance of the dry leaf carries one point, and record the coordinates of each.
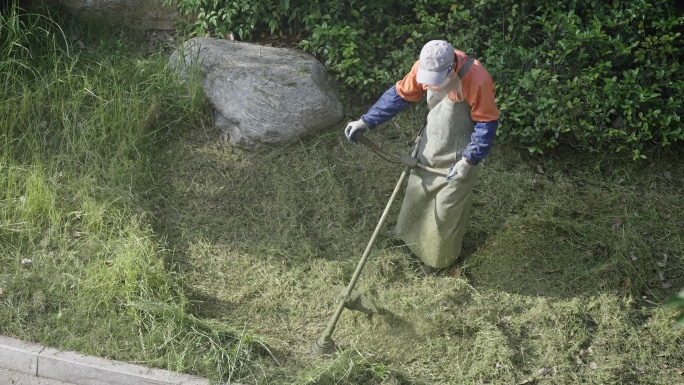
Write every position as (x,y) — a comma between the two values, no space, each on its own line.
(667,175)
(540,169)
(545,372)
(617,223)
(664,261)
(632,256)
(2,291)
(628,283)
(593,365)
(26,263)
(456,273)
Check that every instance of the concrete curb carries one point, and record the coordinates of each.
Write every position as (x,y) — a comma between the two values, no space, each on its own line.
(79,369)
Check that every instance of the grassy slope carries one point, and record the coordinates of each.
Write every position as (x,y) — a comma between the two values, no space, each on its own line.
(170,249)
(563,268)
(80,267)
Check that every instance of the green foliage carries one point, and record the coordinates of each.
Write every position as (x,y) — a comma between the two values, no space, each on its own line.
(216,16)
(595,75)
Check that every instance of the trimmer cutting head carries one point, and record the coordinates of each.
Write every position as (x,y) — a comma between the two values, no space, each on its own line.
(356,301)
(324,347)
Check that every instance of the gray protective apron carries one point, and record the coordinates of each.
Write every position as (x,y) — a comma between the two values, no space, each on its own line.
(434,214)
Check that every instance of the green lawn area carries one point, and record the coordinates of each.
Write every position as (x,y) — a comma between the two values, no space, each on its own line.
(128,230)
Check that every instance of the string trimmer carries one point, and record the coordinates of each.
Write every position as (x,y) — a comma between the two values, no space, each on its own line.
(350,298)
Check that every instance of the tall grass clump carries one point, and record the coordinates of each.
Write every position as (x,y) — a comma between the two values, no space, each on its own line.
(79,262)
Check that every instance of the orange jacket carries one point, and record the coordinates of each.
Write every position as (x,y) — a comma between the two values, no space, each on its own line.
(478,89)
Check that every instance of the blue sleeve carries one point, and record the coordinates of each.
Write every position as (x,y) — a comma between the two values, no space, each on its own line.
(481,141)
(387,107)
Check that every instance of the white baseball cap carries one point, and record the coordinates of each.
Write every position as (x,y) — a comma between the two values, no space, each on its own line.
(436,57)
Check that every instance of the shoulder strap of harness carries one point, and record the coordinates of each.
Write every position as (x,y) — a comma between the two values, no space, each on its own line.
(466,66)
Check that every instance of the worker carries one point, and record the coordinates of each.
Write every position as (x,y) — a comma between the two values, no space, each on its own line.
(460,128)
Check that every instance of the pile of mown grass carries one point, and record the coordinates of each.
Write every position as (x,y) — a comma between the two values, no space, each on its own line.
(153,242)
(562,279)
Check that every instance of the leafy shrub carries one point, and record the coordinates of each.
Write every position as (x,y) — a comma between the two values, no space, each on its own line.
(592,74)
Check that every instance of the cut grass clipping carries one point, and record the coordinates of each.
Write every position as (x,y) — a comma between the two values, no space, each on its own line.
(127,230)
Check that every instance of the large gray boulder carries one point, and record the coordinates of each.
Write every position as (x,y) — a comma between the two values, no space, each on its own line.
(140,14)
(261,95)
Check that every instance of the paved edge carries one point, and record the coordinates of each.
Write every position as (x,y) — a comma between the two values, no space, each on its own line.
(79,369)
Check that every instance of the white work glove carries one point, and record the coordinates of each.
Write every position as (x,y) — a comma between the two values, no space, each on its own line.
(458,171)
(353,128)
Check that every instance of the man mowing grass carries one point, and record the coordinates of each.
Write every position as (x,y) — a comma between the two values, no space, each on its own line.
(460,129)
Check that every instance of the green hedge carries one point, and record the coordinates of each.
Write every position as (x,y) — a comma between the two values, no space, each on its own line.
(598,75)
